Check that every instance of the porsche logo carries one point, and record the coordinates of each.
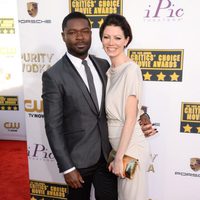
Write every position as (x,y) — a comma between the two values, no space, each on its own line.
(195,164)
(32,8)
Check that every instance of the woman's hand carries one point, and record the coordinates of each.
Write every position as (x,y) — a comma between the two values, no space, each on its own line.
(146,125)
(116,167)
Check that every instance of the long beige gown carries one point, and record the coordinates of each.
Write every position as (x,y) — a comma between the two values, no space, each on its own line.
(123,81)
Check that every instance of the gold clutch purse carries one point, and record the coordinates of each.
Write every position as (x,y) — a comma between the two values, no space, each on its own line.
(129,164)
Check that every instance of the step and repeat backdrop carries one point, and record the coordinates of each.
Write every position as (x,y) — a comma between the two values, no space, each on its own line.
(12,120)
(166,47)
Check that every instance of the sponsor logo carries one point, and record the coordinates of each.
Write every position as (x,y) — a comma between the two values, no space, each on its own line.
(195,164)
(34,108)
(96,10)
(12,126)
(7,26)
(187,174)
(163,10)
(40,152)
(46,190)
(4,75)
(32,11)
(32,8)
(7,51)
(151,166)
(9,103)
(36,62)
(159,64)
(38,21)
(190,118)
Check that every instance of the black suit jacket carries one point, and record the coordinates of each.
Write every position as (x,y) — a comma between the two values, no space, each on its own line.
(76,131)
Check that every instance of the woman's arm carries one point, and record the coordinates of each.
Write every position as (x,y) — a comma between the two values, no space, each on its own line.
(131,110)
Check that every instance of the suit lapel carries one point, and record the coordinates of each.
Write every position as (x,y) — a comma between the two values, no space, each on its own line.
(79,81)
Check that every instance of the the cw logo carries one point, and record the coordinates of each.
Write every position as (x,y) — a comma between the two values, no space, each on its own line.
(32,105)
(12,125)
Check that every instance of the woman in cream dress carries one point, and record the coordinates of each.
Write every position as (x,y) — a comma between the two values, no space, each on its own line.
(123,108)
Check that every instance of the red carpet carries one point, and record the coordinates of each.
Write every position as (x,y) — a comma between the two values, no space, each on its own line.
(14,179)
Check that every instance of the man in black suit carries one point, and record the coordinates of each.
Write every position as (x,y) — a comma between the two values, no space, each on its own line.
(75,120)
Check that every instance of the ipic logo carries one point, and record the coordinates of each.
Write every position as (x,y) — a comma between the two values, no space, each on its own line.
(164,9)
(40,152)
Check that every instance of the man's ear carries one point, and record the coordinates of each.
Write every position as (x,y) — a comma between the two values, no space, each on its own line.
(62,34)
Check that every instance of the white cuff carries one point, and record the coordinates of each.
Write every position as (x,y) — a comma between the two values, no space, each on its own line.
(69,170)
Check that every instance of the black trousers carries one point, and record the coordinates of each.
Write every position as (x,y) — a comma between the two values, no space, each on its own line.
(105,183)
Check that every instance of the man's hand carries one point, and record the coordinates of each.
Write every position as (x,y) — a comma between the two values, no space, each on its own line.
(148,130)
(146,125)
(74,179)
